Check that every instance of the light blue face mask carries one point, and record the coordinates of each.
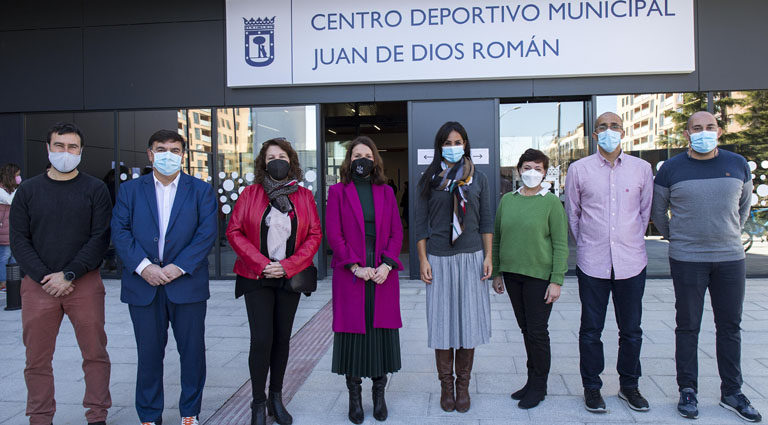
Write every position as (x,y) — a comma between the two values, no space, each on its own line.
(704,141)
(167,163)
(453,153)
(608,140)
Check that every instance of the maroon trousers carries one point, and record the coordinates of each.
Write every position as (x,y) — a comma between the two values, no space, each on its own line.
(41,316)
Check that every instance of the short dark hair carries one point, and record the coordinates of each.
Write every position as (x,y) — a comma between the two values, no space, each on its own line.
(62,128)
(534,155)
(377,174)
(165,136)
(260,163)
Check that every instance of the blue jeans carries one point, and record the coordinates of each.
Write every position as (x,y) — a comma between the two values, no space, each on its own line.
(5,258)
(726,282)
(628,308)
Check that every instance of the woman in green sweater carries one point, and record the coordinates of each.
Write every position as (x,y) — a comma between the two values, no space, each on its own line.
(530,252)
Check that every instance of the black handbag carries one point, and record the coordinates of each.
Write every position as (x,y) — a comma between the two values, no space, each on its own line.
(304,281)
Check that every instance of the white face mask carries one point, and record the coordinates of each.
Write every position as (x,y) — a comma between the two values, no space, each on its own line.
(63,162)
(532,178)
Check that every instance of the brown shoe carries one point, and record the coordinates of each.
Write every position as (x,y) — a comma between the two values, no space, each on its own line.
(444,361)
(464,359)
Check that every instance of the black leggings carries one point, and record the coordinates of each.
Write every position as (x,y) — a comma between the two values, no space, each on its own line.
(270,316)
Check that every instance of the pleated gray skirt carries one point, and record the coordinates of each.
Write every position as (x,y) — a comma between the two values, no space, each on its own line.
(458,302)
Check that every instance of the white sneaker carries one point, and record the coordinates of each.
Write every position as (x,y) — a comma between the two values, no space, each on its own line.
(189,420)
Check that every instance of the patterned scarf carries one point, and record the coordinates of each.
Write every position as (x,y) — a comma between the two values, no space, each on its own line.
(278,192)
(447,180)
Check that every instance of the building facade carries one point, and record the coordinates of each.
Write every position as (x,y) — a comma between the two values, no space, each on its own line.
(122,71)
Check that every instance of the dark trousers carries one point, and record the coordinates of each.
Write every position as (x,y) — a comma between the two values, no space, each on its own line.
(150,326)
(628,308)
(532,313)
(270,315)
(726,281)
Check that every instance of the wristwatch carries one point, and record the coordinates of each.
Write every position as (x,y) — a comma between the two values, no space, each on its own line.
(69,275)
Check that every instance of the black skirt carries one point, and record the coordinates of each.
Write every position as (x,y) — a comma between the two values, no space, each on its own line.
(374,353)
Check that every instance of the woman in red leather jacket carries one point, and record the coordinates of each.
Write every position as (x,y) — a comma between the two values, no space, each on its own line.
(275,231)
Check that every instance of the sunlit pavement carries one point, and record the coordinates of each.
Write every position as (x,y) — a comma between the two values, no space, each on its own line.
(413,393)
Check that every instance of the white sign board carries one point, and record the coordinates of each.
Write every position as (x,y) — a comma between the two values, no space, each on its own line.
(424,156)
(479,156)
(341,41)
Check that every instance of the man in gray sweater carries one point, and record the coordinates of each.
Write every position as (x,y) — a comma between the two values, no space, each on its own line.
(708,192)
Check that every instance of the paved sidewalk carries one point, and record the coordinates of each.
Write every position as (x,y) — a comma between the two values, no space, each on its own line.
(227,343)
(413,393)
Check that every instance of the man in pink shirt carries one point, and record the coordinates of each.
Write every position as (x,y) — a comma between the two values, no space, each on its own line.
(608,202)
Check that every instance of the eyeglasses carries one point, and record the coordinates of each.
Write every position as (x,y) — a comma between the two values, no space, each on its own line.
(614,127)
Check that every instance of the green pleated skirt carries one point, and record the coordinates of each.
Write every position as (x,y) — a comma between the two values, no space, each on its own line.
(372,354)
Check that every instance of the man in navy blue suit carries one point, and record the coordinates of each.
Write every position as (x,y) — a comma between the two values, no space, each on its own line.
(163,227)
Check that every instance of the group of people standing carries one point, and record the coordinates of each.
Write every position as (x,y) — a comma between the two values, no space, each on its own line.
(163,226)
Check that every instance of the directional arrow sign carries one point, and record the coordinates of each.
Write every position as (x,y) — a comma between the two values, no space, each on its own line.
(424,156)
(481,156)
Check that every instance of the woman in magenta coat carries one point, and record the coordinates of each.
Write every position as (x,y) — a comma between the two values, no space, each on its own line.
(365,233)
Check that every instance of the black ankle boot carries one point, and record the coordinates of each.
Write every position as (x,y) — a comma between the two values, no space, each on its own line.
(258,416)
(356,414)
(537,390)
(379,403)
(276,408)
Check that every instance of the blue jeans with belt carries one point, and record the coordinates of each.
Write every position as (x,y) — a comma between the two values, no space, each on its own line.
(628,308)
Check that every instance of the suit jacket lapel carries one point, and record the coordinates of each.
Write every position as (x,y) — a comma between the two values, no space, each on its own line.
(357,209)
(182,191)
(149,193)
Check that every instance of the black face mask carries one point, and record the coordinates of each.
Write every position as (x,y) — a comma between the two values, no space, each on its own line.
(362,167)
(278,168)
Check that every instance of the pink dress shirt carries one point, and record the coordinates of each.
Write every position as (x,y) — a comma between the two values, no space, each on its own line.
(608,210)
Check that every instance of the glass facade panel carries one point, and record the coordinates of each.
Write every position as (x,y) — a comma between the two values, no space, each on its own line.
(555,128)
(241,132)
(654,125)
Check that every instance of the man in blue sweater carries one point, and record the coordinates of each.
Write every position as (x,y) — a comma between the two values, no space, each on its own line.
(708,192)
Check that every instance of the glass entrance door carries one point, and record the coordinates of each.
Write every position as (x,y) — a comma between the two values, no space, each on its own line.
(555,128)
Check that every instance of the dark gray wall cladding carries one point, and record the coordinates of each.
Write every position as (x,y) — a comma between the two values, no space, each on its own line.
(39,124)
(578,86)
(35,14)
(732,44)
(41,70)
(300,95)
(154,66)
(101,12)
(12,136)
(454,90)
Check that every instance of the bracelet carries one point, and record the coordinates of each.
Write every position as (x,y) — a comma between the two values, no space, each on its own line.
(387,266)
(354,271)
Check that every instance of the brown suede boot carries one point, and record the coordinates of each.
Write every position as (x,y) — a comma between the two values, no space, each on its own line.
(444,361)
(464,359)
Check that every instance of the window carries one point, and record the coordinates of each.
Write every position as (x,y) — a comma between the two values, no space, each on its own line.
(196,117)
(197,133)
